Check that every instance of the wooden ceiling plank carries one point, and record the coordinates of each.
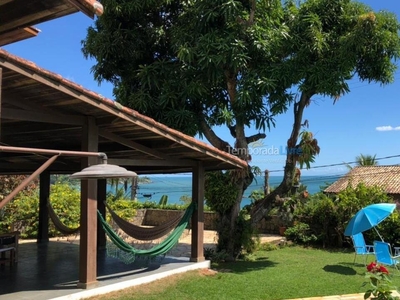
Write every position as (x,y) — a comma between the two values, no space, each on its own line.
(3,2)
(24,115)
(82,8)
(131,144)
(17,35)
(150,163)
(34,12)
(27,104)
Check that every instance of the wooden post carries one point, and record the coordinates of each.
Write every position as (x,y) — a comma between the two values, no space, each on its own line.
(101,198)
(88,226)
(44,195)
(266,183)
(197,251)
(134,187)
(1,87)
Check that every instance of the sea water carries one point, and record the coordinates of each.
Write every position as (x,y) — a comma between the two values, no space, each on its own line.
(177,186)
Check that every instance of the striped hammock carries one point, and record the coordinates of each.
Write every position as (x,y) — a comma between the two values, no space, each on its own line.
(119,248)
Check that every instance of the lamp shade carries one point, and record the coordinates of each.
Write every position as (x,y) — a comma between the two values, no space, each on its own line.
(102,171)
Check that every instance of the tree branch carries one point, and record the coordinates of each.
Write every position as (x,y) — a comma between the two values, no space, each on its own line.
(215,140)
(255,137)
(252,12)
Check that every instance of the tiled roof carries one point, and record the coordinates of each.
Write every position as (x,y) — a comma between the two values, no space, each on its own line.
(386,177)
(157,127)
(93,5)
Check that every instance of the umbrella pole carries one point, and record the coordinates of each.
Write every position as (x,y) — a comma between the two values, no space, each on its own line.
(379,234)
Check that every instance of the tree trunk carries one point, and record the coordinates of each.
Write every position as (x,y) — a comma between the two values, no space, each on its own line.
(261,208)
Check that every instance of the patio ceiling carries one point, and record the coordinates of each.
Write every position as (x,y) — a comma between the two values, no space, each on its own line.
(18,16)
(40,109)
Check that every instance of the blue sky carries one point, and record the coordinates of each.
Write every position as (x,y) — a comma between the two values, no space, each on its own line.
(359,122)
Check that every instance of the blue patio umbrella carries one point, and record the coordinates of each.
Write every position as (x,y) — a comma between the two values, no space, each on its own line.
(369,217)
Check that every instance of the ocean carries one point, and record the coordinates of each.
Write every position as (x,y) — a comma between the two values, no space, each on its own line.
(177,186)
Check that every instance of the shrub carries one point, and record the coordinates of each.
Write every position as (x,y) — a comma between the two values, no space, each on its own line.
(328,216)
(300,233)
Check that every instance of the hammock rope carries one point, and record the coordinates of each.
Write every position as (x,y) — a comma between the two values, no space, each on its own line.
(132,253)
(58,224)
(144,233)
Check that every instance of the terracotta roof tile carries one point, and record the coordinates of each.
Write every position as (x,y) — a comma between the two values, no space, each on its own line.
(168,131)
(386,177)
(93,5)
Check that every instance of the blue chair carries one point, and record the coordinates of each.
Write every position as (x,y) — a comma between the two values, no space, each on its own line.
(361,248)
(383,255)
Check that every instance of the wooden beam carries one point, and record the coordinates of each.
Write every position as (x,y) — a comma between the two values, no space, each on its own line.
(33,116)
(1,100)
(82,8)
(131,144)
(164,132)
(20,14)
(197,251)
(101,207)
(17,35)
(88,221)
(26,168)
(151,163)
(2,2)
(44,196)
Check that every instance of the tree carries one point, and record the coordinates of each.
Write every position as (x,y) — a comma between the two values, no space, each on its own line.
(193,65)
(329,43)
(366,160)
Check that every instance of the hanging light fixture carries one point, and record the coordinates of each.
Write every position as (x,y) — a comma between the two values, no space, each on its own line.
(102,171)
(99,171)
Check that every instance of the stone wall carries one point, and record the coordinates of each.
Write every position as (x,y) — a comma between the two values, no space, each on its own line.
(155,217)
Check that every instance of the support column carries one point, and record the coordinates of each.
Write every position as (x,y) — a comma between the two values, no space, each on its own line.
(197,251)
(44,195)
(88,221)
(1,88)
(101,198)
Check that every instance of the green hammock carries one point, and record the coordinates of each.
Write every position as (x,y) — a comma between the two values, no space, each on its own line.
(132,253)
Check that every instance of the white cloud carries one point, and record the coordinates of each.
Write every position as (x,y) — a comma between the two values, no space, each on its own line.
(387,128)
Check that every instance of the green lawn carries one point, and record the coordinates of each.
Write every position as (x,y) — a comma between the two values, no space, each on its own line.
(290,272)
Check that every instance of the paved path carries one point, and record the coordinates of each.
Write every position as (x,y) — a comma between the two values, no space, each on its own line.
(182,249)
(341,297)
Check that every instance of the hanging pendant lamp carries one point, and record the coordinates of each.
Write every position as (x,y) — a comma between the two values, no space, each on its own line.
(102,171)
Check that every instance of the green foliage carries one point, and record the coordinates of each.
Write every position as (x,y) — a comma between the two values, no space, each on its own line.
(9,182)
(300,233)
(22,213)
(309,149)
(221,191)
(268,247)
(65,201)
(185,199)
(328,216)
(256,195)
(163,200)
(124,208)
(380,284)
(205,44)
(194,65)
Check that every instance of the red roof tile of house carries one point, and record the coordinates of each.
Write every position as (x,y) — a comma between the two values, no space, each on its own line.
(386,177)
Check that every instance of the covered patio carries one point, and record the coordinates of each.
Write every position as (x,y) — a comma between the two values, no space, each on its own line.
(42,110)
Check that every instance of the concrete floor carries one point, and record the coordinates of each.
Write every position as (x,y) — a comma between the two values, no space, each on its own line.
(50,271)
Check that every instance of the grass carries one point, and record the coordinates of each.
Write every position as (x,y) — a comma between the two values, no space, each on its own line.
(286,273)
